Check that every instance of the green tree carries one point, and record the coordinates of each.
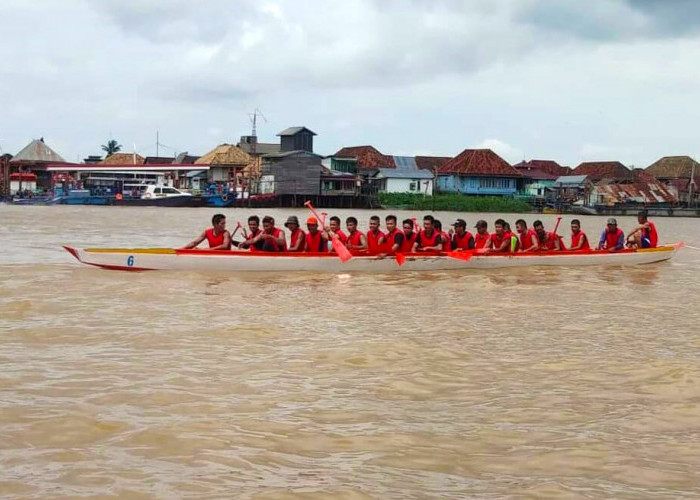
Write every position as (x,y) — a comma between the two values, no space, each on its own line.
(111,147)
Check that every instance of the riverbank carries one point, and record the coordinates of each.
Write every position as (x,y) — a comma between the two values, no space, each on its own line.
(454,202)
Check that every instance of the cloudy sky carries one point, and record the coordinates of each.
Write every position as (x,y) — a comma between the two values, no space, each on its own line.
(568,80)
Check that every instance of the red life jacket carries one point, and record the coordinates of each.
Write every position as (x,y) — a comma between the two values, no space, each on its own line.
(549,244)
(315,243)
(651,234)
(342,236)
(354,239)
(373,241)
(390,240)
(497,241)
(212,239)
(428,241)
(611,238)
(277,233)
(296,236)
(462,243)
(480,240)
(446,241)
(408,241)
(526,239)
(576,239)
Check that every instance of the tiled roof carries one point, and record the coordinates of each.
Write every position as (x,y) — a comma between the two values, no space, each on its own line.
(368,157)
(431,162)
(224,154)
(37,152)
(478,162)
(534,173)
(123,159)
(597,170)
(674,167)
(549,166)
(157,160)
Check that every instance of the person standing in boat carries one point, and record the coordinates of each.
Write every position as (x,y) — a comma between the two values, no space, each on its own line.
(500,239)
(252,239)
(316,241)
(374,235)
(548,241)
(392,240)
(644,235)
(297,237)
(461,239)
(482,237)
(579,240)
(356,239)
(527,237)
(429,239)
(612,239)
(217,236)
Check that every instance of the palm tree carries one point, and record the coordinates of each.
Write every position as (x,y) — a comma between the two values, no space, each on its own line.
(111,147)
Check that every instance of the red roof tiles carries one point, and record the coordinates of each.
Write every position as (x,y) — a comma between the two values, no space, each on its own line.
(368,157)
(431,162)
(534,173)
(478,162)
(597,170)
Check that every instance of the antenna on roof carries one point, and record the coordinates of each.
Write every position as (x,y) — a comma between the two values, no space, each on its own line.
(254,120)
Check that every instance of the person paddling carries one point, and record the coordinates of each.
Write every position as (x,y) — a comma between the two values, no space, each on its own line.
(217,236)
(409,236)
(392,240)
(297,237)
(579,240)
(270,239)
(445,237)
(482,238)
(547,241)
(461,239)
(612,239)
(527,237)
(316,241)
(251,238)
(374,235)
(429,239)
(644,235)
(499,240)
(334,230)
(356,239)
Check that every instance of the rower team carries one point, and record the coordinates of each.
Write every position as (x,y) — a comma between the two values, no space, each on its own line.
(410,238)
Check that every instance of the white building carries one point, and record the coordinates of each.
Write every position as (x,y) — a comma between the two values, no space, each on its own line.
(394,180)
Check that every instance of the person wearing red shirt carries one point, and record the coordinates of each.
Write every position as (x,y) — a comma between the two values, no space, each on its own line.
(316,241)
(547,241)
(461,239)
(297,237)
(527,237)
(409,236)
(391,241)
(644,235)
(251,239)
(500,239)
(445,237)
(482,236)
(217,236)
(579,240)
(374,235)
(356,239)
(334,230)
(273,238)
(429,239)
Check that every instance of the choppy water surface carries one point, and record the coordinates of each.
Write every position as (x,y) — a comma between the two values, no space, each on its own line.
(528,383)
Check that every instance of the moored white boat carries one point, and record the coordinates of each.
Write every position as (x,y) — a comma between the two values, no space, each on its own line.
(146,259)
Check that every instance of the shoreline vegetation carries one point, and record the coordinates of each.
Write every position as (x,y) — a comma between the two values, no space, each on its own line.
(454,202)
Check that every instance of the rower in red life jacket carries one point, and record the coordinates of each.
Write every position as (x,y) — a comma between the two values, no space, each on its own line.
(514,241)
(444,236)
(429,239)
(252,239)
(374,235)
(297,237)
(316,241)
(547,241)
(334,230)
(461,239)
(392,240)
(500,239)
(272,237)
(409,236)
(482,238)
(579,240)
(612,239)
(356,239)
(217,236)
(527,237)
(644,235)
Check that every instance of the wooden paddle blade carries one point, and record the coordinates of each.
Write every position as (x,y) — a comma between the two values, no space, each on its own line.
(400,259)
(465,256)
(340,249)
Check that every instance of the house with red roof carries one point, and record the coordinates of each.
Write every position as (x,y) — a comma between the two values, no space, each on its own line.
(478,171)
(598,170)
(536,180)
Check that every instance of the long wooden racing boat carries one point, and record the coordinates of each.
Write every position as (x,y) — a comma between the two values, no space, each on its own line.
(147,259)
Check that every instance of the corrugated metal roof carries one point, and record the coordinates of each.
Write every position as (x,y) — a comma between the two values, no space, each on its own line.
(295,130)
(571,180)
(37,151)
(639,192)
(395,173)
(479,162)
(405,163)
(261,148)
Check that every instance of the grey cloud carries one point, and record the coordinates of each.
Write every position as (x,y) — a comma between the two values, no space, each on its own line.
(671,18)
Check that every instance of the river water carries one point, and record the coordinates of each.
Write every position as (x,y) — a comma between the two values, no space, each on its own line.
(527,383)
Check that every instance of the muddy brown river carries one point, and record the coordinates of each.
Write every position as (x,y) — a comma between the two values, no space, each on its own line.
(525,383)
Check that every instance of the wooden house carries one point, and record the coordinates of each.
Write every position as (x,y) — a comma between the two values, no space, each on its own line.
(480,172)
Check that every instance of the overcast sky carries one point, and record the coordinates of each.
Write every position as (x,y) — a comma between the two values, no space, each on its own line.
(568,80)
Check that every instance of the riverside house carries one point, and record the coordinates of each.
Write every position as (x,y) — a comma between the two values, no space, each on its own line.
(680,174)
(480,172)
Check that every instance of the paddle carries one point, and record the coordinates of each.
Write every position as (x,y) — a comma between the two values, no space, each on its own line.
(556,226)
(340,249)
(460,255)
(400,258)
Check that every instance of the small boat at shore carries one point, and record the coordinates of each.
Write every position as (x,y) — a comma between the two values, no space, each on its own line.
(151,259)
